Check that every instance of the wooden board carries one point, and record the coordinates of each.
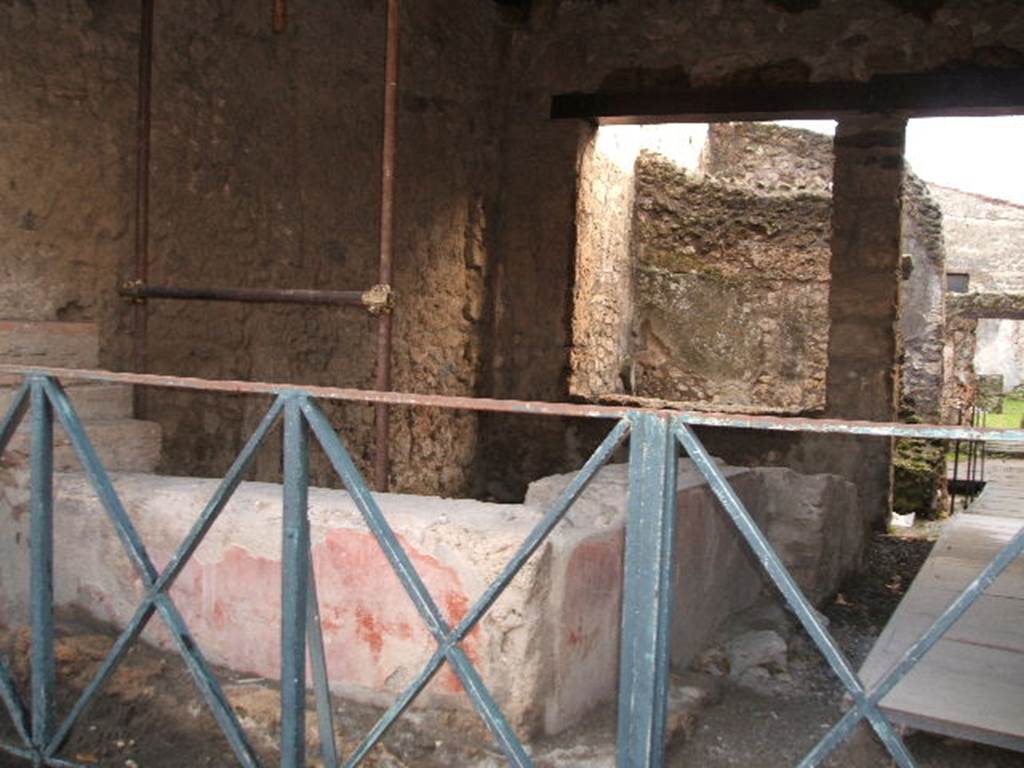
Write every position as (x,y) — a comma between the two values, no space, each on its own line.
(971,684)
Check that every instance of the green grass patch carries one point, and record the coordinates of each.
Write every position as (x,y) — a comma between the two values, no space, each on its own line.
(1010,418)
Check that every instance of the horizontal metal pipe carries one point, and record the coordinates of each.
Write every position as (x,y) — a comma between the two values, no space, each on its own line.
(533,407)
(252,295)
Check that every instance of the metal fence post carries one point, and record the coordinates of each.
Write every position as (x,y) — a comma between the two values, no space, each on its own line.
(647,592)
(294,585)
(43,661)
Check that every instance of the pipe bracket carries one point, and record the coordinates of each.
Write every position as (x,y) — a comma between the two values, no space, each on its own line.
(379,300)
(134,291)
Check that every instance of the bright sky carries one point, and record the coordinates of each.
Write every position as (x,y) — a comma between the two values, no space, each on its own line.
(976,154)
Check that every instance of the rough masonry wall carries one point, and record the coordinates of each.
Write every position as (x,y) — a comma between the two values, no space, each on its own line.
(731,291)
(280,136)
(67,85)
(266,167)
(922,304)
(265,173)
(771,158)
(577,45)
(602,301)
(919,466)
(960,390)
(602,295)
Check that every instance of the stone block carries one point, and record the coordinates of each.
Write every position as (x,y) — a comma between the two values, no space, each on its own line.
(126,445)
(91,401)
(67,345)
(763,648)
(548,649)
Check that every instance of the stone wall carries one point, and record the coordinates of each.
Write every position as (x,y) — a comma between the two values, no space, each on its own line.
(576,45)
(961,385)
(919,466)
(265,172)
(548,649)
(67,78)
(731,290)
(771,158)
(922,304)
(985,239)
(265,161)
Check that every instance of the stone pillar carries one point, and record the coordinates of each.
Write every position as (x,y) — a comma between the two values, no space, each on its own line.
(864,298)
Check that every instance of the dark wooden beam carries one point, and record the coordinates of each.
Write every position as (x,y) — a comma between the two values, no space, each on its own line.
(928,94)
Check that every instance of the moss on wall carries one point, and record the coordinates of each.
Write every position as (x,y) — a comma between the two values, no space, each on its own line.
(919,472)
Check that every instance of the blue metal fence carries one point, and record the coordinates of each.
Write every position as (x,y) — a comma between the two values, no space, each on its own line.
(655,440)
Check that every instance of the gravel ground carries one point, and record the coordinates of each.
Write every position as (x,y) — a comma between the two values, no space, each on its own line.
(754,729)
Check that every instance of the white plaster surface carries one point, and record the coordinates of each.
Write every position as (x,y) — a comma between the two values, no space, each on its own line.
(548,649)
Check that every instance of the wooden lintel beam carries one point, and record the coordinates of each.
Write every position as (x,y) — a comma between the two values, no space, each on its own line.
(928,94)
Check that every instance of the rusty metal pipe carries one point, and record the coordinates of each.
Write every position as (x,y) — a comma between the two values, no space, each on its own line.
(142,152)
(382,380)
(280,19)
(532,407)
(250,295)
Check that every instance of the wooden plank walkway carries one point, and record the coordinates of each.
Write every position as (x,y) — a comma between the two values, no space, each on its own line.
(971,684)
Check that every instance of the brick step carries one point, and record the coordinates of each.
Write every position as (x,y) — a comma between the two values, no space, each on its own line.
(91,401)
(124,445)
(69,345)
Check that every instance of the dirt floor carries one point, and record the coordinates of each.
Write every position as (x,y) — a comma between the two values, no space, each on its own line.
(151,717)
(754,728)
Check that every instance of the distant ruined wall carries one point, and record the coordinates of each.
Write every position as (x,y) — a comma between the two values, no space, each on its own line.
(919,466)
(731,292)
(579,45)
(961,385)
(772,158)
(985,238)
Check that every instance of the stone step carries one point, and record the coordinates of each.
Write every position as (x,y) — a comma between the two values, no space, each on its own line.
(91,401)
(66,345)
(999,446)
(124,445)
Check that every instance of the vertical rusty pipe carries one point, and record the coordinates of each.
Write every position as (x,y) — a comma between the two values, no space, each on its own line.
(143,128)
(280,20)
(387,242)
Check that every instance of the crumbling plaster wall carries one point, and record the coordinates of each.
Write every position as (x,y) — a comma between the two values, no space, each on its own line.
(574,45)
(602,303)
(66,114)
